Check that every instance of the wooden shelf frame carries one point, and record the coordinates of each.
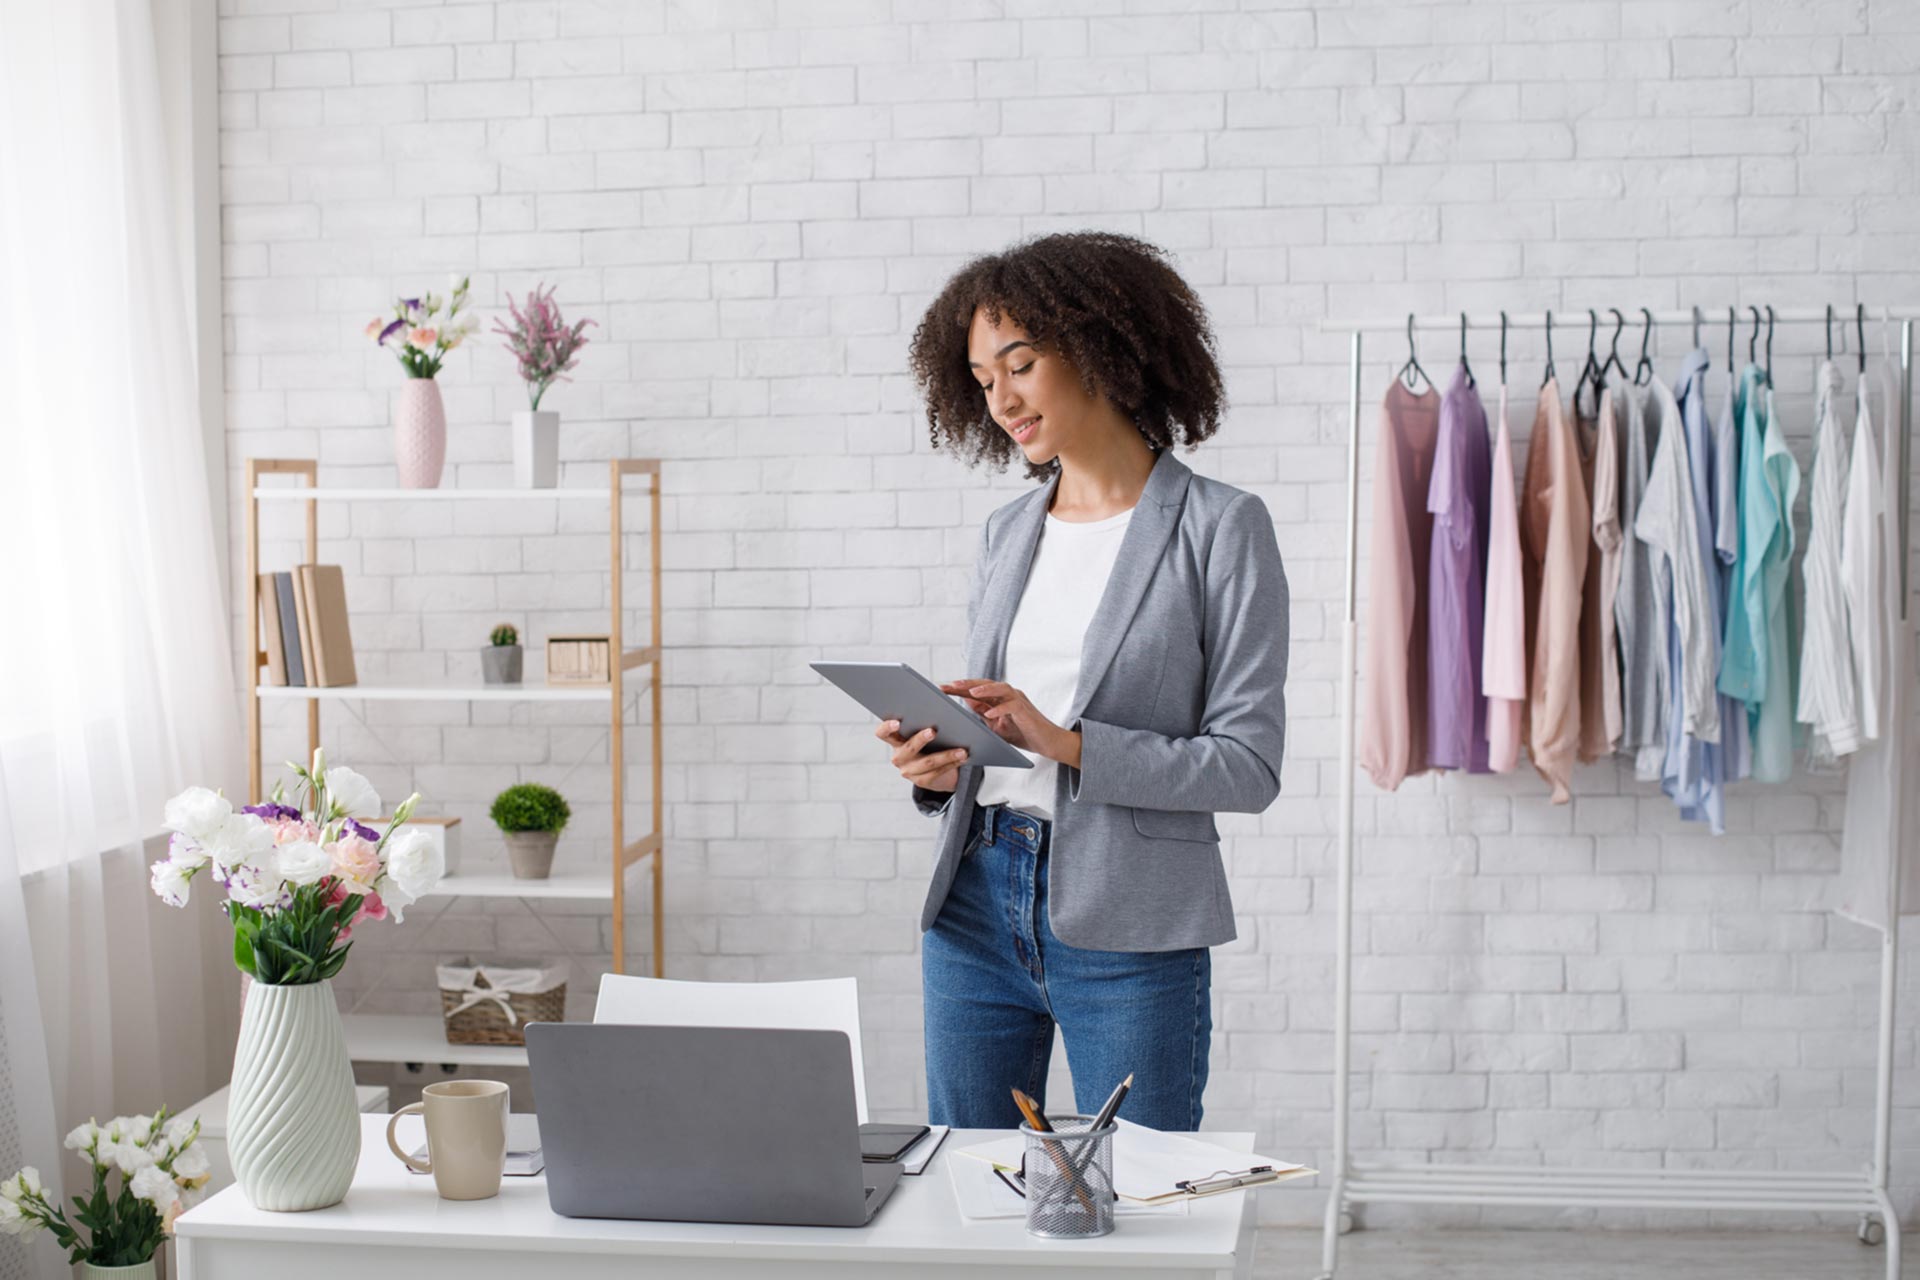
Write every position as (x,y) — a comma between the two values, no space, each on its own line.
(623,853)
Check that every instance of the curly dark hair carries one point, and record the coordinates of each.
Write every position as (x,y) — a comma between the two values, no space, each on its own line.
(1112,305)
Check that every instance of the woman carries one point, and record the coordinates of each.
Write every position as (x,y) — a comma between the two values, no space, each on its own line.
(1128,629)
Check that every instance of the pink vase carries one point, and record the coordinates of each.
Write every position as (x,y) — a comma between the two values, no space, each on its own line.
(420,434)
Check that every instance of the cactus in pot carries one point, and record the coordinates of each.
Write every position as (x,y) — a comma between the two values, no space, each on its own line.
(500,660)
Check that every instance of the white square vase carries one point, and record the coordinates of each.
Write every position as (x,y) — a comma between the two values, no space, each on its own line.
(536,448)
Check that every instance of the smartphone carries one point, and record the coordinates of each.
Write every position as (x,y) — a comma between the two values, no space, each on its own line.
(887,1142)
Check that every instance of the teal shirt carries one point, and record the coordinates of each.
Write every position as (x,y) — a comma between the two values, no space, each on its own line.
(1755,662)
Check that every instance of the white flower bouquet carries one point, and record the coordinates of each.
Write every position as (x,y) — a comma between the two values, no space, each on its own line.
(159,1166)
(299,876)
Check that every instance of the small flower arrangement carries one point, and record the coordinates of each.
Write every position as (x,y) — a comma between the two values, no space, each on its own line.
(530,806)
(159,1166)
(541,341)
(299,877)
(416,337)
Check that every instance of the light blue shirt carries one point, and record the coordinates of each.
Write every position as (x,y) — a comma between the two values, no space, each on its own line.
(1694,773)
(1755,663)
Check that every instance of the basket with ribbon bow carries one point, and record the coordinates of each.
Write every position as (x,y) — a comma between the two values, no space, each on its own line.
(491,1002)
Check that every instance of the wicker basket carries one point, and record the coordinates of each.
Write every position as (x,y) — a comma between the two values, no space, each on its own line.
(491,1002)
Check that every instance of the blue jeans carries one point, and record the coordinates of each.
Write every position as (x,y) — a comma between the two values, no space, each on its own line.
(997,981)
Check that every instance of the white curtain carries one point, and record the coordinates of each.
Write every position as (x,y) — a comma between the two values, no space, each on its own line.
(116,684)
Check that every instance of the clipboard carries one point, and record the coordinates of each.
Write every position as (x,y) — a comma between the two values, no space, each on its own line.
(1156,1168)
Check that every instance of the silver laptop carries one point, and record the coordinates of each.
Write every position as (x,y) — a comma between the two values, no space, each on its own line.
(702,1124)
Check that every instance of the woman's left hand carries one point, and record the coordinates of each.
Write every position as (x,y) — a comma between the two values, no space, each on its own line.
(1016,719)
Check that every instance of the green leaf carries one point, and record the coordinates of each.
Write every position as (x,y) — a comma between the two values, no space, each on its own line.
(243,952)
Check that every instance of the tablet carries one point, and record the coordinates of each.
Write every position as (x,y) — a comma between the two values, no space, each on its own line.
(895,691)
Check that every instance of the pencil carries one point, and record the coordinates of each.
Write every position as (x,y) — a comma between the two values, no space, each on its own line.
(1076,1177)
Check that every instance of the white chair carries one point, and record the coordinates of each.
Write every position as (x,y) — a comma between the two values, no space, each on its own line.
(826,1004)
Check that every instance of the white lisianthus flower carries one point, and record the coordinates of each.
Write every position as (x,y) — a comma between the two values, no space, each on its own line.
(414,863)
(155,1185)
(187,852)
(131,1157)
(182,1130)
(172,882)
(242,838)
(256,886)
(140,1129)
(24,1185)
(83,1137)
(351,794)
(198,813)
(191,1164)
(16,1221)
(304,862)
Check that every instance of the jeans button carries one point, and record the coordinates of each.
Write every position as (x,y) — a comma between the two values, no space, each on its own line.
(1025,833)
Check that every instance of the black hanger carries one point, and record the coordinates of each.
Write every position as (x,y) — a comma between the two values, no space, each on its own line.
(1696,325)
(1769,346)
(1613,354)
(1646,339)
(1503,348)
(1829,332)
(1733,327)
(1754,337)
(1464,366)
(1590,371)
(1549,378)
(1860,326)
(1412,366)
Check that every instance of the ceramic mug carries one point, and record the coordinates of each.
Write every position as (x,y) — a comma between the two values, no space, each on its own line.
(466,1137)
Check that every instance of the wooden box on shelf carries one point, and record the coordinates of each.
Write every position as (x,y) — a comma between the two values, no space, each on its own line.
(581,659)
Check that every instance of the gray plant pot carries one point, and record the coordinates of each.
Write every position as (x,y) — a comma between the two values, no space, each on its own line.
(531,853)
(500,663)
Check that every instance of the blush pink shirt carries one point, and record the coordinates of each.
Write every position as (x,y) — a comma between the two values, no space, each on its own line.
(1556,531)
(1393,693)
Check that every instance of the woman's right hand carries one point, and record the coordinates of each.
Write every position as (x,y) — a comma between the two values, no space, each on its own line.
(939,771)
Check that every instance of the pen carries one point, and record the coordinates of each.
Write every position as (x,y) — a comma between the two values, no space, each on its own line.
(1035,1120)
(1112,1103)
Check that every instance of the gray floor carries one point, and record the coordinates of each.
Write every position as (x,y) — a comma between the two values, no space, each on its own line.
(1578,1255)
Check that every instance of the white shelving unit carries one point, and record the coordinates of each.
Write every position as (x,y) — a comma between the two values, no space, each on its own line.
(382,1038)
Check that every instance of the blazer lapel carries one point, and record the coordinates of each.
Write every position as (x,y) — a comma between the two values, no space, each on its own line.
(1013,561)
(1154,518)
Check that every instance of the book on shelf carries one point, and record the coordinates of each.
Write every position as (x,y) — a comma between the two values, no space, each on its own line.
(323,588)
(292,624)
(271,645)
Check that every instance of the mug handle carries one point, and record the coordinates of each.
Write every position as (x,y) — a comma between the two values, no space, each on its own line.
(412,1108)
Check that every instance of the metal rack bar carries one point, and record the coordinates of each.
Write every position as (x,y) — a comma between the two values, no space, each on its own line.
(1764,1191)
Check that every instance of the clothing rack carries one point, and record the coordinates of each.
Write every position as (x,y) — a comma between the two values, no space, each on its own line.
(1864,1192)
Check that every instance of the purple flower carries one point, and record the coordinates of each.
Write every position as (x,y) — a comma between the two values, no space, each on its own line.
(271,812)
(390,330)
(363,831)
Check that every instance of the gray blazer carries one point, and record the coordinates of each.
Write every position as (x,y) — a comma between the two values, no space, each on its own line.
(1180,706)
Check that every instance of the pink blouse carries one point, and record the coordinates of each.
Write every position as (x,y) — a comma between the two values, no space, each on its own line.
(1393,694)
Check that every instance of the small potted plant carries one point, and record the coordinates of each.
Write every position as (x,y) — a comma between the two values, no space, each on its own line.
(158,1163)
(545,348)
(500,660)
(531,817)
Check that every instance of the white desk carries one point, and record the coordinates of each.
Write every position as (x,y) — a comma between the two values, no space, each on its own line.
(393,1224)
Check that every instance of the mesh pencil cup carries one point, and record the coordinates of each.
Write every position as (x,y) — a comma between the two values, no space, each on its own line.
(1069,1179)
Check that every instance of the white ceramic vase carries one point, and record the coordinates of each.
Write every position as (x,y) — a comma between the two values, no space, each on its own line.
(536,448)
(293,1126)
(420,434)
(138,1271)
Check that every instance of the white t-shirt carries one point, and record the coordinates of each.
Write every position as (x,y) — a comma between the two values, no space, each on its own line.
(1070,571)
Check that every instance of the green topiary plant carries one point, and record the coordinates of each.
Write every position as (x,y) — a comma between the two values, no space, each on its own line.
(504,635)
(530,806)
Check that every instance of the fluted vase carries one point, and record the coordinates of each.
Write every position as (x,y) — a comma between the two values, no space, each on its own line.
(419,434)
(293,1128)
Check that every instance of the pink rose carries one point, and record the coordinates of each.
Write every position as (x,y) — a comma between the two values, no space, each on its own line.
(422,338)
(371,908)
(356,863)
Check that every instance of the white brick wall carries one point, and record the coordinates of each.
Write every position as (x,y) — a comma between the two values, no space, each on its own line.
(755,201)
